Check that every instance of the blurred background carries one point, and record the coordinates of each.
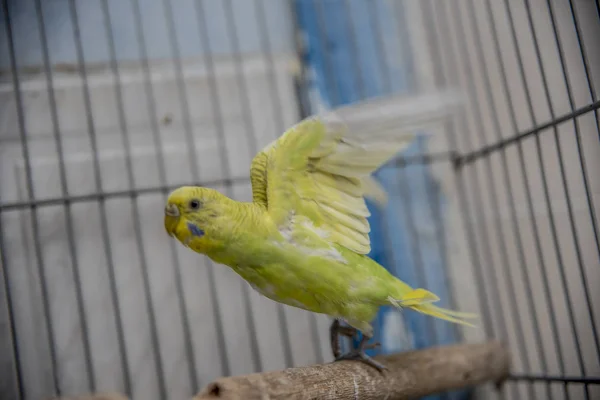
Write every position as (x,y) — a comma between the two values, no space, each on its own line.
(107,105)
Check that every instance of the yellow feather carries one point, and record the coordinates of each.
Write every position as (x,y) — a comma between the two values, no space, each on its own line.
(419,296)
(351,236)
(354,171)
(421,299)
(339,183)
(321,165)
(351,221)
(374,191)
(355,206)
(453,313)
(428,309)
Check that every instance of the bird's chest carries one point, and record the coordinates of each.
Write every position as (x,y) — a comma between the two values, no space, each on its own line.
(278,283)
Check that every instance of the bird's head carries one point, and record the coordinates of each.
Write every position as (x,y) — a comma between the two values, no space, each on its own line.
(194,215)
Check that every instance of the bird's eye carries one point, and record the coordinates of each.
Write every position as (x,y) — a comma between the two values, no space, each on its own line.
(194,204)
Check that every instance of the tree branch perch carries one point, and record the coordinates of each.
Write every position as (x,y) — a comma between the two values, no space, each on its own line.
(410,375)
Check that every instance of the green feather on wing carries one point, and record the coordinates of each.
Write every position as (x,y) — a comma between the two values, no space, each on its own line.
(321,168)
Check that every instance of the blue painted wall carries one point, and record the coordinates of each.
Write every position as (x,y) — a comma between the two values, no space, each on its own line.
(357,49)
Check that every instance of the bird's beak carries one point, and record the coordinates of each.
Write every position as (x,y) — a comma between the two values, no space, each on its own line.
(171,218)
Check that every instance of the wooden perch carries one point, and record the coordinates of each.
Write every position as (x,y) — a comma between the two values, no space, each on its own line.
(410,375)
(97,396)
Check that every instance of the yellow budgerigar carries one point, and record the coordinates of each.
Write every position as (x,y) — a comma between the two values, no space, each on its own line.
(304,238)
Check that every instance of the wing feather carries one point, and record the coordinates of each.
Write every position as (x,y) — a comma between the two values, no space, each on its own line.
(321,168)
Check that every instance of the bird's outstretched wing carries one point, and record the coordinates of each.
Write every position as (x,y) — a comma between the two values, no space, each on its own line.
(320,168)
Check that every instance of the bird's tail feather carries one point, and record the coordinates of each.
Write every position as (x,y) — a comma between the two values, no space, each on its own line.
(420,300)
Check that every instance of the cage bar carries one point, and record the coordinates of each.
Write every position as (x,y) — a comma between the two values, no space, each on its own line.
(48,324)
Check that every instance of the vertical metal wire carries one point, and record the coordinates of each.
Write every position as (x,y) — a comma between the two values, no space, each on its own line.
(407,203)
(325,48)
(359,81)
(580,152)
(434,206)
(564,182)
(464,208)
(408,208)
(39,258)
(566,189)
(302,82)
(334,96)
(303,108)
(130,182)
(195,170)
(525,177)
(419,265)
(386,76)
(385,69)
(582,163)
(303,112)
(253,148)
(478,203)
(586,65)
(220,129)
(503,251)
(99,189)
(453,144)
(10,309)
(540,158)
(485,241)
(64,190)
(515,226)
(436,214)
(162,176)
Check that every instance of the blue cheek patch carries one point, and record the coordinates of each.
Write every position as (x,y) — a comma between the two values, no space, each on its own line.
(195,230)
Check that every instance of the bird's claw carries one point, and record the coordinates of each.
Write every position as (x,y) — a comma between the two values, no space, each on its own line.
(372,346)
(360,355)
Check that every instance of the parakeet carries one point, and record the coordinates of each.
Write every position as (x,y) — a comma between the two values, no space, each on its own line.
(303,240)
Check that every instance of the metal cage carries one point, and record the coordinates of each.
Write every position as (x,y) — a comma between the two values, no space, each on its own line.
(108,105)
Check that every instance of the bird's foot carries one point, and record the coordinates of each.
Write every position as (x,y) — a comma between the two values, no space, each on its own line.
(335,331)
(360,355)
(358,352)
